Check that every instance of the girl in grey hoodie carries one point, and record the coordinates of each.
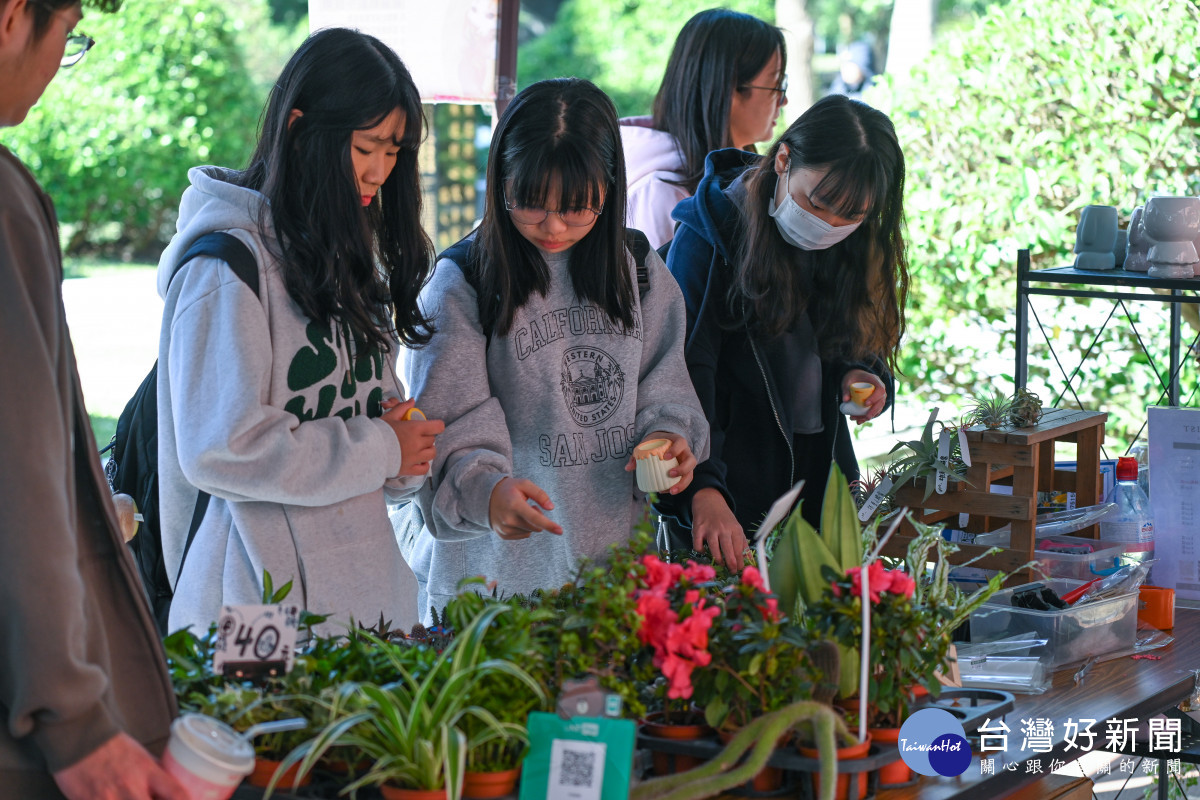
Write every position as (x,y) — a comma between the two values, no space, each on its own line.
(283,406)
(548,364)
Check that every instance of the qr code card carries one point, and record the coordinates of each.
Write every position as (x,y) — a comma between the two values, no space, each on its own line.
(583,758)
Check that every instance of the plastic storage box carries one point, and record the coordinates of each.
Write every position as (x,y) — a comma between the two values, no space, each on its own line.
(1072,634)
(1074,557)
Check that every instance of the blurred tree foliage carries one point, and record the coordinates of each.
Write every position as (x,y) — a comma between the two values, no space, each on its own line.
(165,88)
(1009,130)
(623,47)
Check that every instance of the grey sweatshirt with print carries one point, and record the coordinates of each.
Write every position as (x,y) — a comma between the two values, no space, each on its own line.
(560,400)
(277,417)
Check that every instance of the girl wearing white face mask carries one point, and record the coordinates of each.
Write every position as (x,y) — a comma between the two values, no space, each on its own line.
(794,272)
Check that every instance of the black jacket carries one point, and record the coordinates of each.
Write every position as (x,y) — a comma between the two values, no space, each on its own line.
(743,382)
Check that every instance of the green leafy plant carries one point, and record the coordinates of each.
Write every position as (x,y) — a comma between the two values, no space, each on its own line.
(922,460)
(801,554)
(413,728)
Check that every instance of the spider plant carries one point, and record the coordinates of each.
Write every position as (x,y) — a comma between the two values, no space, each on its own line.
(412,728)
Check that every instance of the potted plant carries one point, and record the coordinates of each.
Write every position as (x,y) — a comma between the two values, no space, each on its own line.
(759,664)
(922,461)
(412,730)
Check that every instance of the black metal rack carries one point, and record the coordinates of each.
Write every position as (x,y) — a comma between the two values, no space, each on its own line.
(1175,291)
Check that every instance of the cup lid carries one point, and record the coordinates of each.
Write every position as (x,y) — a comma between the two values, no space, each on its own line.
(215,740)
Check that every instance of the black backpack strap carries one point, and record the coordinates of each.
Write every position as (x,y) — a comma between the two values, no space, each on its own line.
(231,250)
(639,246)
(227,248)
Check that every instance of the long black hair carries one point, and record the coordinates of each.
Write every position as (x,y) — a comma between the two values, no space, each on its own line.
(332,248)
(559,133)
(717,52)
(855,291)
(44,10)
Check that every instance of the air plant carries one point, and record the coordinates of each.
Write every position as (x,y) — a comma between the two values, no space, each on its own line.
(991,411)
(923,462)
(1025,409)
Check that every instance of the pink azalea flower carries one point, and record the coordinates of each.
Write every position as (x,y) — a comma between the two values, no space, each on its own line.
(660,576)
(902,584)
(657,617)
(752,577)
(880,580)
(699,573)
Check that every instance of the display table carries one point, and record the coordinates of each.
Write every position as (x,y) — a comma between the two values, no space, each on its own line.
(1119,689)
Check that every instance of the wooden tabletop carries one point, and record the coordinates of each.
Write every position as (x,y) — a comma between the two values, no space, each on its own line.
(1123,688)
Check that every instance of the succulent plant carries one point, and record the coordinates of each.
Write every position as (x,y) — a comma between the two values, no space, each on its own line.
(991,411)
(922,459)
(1025,409)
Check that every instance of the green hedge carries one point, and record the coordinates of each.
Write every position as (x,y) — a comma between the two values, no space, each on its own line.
(164,89)
(1009,130)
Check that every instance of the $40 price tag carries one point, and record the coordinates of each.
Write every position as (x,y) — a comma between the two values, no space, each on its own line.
(256,640)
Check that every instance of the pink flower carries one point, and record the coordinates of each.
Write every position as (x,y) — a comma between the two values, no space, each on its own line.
(902,584)
(686,649)
(880,580)
(699,573)
(752,577)
(659,575)
(771,610)
(657,618)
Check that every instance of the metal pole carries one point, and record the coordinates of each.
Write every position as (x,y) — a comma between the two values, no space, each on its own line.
(1173,388)
(506,55)
(1021,375)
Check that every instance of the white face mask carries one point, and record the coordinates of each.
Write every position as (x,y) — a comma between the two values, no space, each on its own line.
(802,228)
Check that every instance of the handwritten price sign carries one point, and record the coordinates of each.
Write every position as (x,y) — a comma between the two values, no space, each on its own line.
(256,640)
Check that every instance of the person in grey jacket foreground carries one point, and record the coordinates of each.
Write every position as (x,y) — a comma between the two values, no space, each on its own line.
(84,691)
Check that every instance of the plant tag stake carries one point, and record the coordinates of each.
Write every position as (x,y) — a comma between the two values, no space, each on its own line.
(963,447)
(875,499)
(775,515)
(255,641)
(585,758)
(944,458)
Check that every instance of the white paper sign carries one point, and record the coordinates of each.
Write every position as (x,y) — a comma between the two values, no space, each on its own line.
(253,640)
(449,47)
(1175,498)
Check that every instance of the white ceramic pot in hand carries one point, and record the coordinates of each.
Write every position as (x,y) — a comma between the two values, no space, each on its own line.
(651,468)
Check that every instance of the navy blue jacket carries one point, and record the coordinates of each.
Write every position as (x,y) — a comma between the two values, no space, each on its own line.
(742,380)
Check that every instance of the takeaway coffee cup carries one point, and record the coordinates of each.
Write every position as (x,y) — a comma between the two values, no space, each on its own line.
(207,756)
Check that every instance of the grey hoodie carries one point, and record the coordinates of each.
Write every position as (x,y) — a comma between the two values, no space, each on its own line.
(276,417)
(560,400)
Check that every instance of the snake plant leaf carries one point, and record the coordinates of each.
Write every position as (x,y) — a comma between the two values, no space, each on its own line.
(839,522)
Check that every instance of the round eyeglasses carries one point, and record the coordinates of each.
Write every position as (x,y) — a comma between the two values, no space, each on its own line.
(781,88)
(574,217)
(77,46)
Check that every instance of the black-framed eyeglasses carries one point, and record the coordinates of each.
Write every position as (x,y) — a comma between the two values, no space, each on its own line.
(574,217)
(781,88)
(77,46)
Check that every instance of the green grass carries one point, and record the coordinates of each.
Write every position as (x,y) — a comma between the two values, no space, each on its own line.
(75,267)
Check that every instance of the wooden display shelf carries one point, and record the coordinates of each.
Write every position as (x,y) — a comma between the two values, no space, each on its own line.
(1023,457)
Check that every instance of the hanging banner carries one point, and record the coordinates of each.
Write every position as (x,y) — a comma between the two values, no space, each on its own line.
(449,47)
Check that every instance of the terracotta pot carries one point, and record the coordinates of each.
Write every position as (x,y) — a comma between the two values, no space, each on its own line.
(490,784)
(897,771)
(847,780)
(264,770)
(669,763)
(769,778)
(400,793)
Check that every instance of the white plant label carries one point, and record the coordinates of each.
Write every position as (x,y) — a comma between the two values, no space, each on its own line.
(875,499)
(943,454)
(256,639)
(775,515)
(963,447)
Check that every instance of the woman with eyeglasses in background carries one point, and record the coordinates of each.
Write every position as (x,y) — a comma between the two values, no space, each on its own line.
(549,362)
(723,87)
(794,273)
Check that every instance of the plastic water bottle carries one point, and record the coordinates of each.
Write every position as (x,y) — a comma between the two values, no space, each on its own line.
(1131,522)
